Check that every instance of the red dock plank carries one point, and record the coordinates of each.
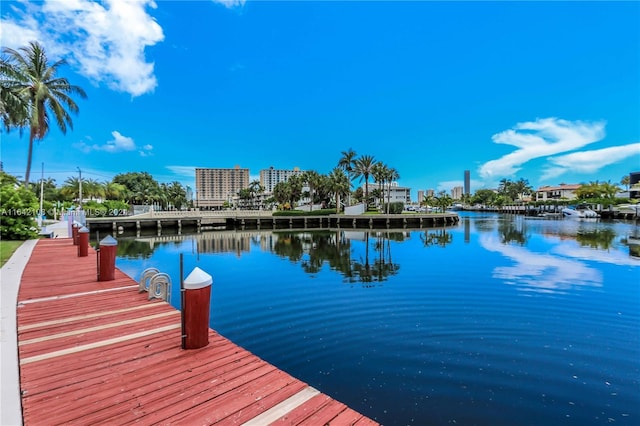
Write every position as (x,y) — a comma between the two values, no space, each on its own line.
(96,352)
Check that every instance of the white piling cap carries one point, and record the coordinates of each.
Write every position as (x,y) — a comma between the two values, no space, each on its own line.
(83,229)
(197,279)
(108,241)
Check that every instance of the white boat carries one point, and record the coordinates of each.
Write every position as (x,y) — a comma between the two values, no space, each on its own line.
(581,211)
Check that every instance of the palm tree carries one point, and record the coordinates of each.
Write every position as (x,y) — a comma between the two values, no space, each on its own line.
(391,175)
(254,189)
(31,92)
(347,161)
(175,194)
(295,186)
(71,188)
(626,181)
(282,192)
(364,169)
(504,185)
(339,185)
(114,191)
(13,111)
(521,188)
(609,190)
(92,189)
(442,200)
(379,173)
(312,179)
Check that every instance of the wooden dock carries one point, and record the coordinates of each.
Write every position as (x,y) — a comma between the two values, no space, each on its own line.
(100,353)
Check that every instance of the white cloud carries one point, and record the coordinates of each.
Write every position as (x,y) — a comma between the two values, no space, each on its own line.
(230,3)
(106,41)
(590,161)
(15,35)
(119,143)
(540,138)
(189,171)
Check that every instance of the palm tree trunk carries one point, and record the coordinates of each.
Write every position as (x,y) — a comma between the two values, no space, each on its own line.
(29,158)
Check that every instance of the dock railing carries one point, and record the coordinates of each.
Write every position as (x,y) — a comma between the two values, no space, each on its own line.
(169,214)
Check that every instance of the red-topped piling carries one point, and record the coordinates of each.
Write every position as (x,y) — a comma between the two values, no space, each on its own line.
(83,242)
(74,232)
(108,248)
(197,294)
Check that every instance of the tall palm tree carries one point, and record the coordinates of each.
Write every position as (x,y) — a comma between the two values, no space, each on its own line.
(339,185)
(93,189)
(364,169)
(71,188)
(347,161)
(312,179)
(32,92)
(13,111)
(391,175)
(379,173)
(625,181)
(114,191)
(255,189)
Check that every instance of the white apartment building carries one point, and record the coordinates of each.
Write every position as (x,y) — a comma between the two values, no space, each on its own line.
(215,186)
(562,191)
(394,193)
(270,177)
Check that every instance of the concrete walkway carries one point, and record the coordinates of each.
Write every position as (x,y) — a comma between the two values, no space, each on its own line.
(10,277)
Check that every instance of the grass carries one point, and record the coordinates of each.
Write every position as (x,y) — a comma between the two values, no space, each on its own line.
(7,248)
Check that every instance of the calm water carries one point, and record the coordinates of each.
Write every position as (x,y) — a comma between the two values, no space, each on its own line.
(497,321)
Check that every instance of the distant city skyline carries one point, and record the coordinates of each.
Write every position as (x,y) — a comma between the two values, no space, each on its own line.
(545,91)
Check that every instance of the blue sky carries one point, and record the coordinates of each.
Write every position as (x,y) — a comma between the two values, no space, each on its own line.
(545,91)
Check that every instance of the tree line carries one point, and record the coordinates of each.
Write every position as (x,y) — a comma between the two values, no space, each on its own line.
(334,189)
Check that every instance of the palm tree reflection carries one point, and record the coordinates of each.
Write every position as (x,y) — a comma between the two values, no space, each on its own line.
(314,250)
(440,237)
(596,238)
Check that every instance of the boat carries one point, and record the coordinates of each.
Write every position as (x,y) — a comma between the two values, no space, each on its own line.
(580,211)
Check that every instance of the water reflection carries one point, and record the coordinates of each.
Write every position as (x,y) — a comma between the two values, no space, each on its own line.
(314,250)
(543,272)
(513,231)
(440,237)
(547,255)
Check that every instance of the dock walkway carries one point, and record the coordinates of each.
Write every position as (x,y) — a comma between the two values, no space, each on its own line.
(100,353)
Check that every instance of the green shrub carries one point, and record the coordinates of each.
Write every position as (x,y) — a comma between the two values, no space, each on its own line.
(395,208)
(18,207)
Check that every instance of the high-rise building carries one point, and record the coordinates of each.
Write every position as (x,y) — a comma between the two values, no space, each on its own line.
(424,193)
(456,192)
(467,182)
(270,177)
(215,186)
